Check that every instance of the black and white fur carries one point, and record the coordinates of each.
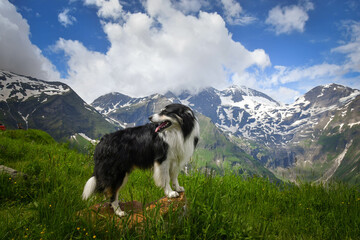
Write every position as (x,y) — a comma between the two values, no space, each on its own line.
(166,144)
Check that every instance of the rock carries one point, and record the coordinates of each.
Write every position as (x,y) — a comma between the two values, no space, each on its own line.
(12,172)
(137,214)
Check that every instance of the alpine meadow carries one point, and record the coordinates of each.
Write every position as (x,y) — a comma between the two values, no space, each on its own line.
(43,204)
(180,119)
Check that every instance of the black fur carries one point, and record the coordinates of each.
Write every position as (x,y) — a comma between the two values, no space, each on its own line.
(118,153)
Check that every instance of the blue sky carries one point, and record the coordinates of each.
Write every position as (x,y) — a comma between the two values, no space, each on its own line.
(281,47)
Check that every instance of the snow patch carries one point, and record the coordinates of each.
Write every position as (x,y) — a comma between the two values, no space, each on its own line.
(352,96)
(353,124)
(327,124)
(83,135)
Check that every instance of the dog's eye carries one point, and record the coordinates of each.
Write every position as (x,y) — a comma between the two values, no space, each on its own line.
(163,111)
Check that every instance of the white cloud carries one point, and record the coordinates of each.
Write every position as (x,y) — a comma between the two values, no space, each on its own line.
(285,75)
(65,19)
(324,72)
(285,20)
(351,49)
(283,94)
(233,13)
(110,9)
(17,53)
(158,50)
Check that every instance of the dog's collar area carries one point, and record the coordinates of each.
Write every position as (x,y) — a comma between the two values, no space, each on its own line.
(163,126)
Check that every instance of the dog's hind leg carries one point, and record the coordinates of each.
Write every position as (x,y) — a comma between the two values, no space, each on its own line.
(162,178)
(114,199)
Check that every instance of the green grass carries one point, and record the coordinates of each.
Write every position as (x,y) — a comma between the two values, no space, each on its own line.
(219,207)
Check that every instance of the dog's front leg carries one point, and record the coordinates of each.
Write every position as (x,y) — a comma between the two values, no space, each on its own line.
(162,178)
(174,173)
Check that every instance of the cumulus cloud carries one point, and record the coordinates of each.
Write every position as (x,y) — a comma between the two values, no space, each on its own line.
(325,72)
(234,13)
(157,50)
(110,9)
(283,94)
(17,53)
(285,75)
(287,19)
(352,48)
(65,18)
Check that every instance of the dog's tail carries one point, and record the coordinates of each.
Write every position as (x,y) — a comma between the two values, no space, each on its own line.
(89,188)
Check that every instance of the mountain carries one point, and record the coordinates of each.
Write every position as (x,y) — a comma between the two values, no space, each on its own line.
(283,138)
(127,111)
(245,112)
(216,152)
(333,149)
(50,106)
(240,111)
(315,138)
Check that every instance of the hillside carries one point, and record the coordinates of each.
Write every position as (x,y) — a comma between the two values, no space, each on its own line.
(334,150)
(216,152)
(50,106)
(45,205)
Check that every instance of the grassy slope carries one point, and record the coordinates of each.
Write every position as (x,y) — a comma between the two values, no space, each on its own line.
(323,152)
(218,153)
(228,207)
(349,169)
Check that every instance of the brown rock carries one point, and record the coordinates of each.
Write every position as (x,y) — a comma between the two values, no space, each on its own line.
(137,213)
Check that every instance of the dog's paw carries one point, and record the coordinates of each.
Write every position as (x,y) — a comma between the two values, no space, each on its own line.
(120,213)
(180,189)
(173,194)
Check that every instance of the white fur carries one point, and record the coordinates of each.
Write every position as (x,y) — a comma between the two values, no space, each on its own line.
(89,188)
(115,204)
(179,153)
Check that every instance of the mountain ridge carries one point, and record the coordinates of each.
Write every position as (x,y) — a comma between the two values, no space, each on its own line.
(50,106)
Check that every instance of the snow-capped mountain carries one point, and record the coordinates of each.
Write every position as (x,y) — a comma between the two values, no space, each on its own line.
(50,106)
(247,113)
(240,111)
(21,88)
(127,111)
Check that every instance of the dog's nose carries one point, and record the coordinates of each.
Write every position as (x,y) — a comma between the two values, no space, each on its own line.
(150,118)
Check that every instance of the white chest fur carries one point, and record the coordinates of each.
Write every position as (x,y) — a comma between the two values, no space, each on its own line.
(180,149)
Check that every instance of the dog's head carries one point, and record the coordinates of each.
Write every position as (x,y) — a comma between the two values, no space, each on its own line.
(174,116)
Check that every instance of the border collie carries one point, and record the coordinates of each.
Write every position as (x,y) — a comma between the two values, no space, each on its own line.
(166,144)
